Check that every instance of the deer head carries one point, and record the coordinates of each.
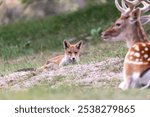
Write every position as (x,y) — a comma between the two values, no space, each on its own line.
(128,27)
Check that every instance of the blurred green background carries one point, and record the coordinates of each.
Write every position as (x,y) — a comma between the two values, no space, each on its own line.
(24,35)
(33,30)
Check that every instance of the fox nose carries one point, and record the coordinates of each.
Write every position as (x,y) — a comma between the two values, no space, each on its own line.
(73,59)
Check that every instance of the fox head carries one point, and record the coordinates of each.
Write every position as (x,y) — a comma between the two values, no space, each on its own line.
(72,51)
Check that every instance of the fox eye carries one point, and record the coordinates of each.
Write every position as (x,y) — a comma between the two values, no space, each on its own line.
(69,52)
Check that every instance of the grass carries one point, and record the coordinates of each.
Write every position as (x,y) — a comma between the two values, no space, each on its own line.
(75,92)
(59,89)
(30,43)
(103,51)
(28,37)
(90,54)
(41,38)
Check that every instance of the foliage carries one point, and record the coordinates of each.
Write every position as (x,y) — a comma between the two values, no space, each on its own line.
(95,33)
(30,37)
(75,92)
(40,36)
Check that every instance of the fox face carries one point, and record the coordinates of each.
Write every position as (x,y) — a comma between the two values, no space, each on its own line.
(72,52)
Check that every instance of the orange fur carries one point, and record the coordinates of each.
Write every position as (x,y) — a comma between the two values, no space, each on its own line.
(137,61)
(72,52)
(56,59)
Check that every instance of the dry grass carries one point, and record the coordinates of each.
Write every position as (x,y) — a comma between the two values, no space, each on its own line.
(96,77)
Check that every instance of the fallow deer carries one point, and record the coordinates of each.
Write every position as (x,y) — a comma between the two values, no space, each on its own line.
(136,69)
(121,30)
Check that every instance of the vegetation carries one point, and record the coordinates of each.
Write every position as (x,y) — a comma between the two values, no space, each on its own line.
(24,38)
(30,43)
(75,92)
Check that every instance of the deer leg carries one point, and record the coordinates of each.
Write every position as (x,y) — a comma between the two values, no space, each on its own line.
(126,83)
(127,77)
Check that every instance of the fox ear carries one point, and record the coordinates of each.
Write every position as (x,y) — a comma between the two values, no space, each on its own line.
(79,44)
(145,19)
(66,44)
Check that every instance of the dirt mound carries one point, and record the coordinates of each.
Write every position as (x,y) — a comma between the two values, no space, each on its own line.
(93,74)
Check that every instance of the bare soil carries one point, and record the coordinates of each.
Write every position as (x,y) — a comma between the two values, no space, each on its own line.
(93,74)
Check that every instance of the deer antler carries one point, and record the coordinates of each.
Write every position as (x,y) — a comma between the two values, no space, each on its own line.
(129,5)
(134,3)
(126,5)
(119,7)
(148,1)
(146,6)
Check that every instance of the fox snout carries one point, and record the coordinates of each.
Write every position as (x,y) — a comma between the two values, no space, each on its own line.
(72,56)
(74,59)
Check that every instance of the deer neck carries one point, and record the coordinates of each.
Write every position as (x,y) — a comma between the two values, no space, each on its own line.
(136,34)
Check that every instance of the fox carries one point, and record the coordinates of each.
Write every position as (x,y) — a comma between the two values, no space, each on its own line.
(71,54)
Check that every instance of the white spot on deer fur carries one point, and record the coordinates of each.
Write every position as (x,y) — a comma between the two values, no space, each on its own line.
(146,49)
(142,52)
(135,45)
(137,48)
(131,57)
(148,59)
(144,44)
(132,53)
(137,54)
(136,63)
(145,55)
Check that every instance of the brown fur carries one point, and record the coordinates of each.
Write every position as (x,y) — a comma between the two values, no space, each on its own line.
(71,55)
(137,60)
(131,33)
(55,60)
